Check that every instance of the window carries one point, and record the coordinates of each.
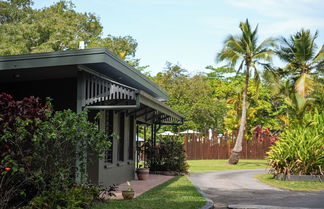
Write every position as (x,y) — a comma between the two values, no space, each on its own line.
(121,136)
(131,139)
(109,128)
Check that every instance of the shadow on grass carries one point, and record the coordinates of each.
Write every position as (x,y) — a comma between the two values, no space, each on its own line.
(252,163)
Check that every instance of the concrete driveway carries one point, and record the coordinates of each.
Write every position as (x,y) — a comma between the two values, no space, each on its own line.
(238,187)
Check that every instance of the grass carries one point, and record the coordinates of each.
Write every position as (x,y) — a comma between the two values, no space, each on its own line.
(219,165)
(176,193)
(290,185)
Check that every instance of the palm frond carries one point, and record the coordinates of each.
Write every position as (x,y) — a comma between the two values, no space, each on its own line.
(267,43)
(227,54)
(319,57)
(257,79)
(234,43)
(240,67)
(272,78)
(265,54)
(304,84)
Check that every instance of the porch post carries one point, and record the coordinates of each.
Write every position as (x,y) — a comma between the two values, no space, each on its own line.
(138,151)
(80,178)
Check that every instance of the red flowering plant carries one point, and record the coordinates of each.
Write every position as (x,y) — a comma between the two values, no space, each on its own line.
(260,134)
(38,149)
(18,122)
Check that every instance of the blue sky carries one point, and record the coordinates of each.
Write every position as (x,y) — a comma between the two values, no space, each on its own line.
(191,32)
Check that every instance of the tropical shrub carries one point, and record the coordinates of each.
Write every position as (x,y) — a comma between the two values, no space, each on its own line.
(38,151)
(78,196)
(18,122)
(299,150)
(168,155)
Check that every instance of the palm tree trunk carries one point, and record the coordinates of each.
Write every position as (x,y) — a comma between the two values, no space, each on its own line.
(235,155)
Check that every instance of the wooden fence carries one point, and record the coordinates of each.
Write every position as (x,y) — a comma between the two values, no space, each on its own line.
(203,146)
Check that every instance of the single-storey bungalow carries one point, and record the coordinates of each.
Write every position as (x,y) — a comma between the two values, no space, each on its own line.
(97,80)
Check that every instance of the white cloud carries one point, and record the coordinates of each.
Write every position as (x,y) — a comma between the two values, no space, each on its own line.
(282,8)
(291,26)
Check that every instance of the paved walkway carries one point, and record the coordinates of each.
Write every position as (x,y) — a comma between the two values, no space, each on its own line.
(239,187)
(142,186)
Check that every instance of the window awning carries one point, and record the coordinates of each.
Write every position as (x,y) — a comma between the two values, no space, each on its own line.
(99,92)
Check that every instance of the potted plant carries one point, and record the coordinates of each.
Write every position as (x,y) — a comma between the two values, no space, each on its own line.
(142,173)
(129,193)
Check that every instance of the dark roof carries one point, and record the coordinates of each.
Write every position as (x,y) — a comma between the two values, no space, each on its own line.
(99,59)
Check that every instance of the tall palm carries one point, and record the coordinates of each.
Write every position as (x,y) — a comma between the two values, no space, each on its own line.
(244,49)
(296,80)
(299,52)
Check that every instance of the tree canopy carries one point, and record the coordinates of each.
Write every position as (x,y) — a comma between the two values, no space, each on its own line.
(54,28)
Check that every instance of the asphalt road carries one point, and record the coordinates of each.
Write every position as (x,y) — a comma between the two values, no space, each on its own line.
(239,187)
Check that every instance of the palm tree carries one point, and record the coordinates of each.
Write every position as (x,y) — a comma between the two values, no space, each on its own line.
(244,49)
(296,80)
(299,52)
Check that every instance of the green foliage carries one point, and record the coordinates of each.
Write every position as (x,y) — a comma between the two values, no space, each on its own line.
(168,155)
(192,96)
(299,52)
(245,49)
(38,148)
(64,138)
(263,108)
(121,46)
(299,149)
(298,85)
(79,196)
(54,28)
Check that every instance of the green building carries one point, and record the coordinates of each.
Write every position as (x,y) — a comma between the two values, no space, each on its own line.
(97,80)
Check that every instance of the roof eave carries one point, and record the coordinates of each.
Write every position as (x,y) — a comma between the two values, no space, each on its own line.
(79,57)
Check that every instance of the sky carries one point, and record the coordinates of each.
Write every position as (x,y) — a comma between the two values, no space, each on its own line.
(192,32)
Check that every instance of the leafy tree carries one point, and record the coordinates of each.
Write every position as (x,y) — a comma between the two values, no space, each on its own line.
(14,10)
(54,28)
(58,27)
(244,47)
(192,96)
(219,73)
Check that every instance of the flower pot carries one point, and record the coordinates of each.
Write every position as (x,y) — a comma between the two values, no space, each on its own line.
(142,173)
(128,194)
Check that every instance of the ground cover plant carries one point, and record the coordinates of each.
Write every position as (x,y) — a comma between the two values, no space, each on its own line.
(299,150)
(176,193)
(38,154)
(219,165)
(290,185)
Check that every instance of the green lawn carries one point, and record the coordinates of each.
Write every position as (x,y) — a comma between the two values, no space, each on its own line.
(291,185)
(218,165)
(176,193)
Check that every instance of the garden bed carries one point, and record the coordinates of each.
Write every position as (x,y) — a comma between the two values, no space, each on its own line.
(319,178)
(291,185)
